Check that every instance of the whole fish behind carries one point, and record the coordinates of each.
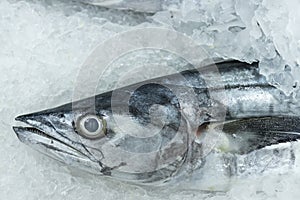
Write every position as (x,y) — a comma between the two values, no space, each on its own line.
(160,134)
(148,6)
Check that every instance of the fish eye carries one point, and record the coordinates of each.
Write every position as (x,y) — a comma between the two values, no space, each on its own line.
(91,126)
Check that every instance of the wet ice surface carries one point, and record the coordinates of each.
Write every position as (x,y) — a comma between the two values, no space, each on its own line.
(44,44)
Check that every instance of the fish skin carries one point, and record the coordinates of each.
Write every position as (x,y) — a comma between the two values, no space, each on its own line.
(163,156)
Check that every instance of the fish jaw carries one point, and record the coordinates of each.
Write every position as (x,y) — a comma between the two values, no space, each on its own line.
(41,136)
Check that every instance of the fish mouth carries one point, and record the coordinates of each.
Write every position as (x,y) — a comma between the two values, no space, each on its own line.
(41,135)
(19,130)
(42,138)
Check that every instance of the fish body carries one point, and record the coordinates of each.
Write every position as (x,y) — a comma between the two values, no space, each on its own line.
(147,6)
(136,5)
(166,128)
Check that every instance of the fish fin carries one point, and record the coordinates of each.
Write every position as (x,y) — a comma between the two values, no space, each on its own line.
(250,134)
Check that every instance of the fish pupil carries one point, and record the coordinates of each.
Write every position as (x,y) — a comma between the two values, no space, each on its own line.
(91,124)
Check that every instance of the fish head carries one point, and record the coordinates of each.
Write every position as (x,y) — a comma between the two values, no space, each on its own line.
(141,139)
(52,132)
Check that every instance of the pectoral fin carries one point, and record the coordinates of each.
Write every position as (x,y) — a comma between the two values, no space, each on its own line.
(249,134)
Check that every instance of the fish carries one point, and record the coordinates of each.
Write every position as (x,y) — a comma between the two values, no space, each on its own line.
(146,6)
(163,129)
